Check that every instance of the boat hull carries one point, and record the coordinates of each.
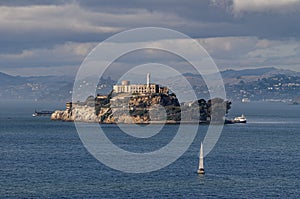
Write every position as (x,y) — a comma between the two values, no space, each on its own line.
(240,122)
(42,113)
(201,171)
(241,119)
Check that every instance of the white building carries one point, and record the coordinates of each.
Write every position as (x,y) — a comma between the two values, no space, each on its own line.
(126,87)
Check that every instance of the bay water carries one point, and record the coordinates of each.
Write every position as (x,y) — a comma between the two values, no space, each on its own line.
(40,158)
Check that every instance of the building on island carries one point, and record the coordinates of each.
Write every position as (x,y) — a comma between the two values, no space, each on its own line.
(147,88)
(69,106)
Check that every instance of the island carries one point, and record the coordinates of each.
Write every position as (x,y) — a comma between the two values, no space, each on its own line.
(142,104)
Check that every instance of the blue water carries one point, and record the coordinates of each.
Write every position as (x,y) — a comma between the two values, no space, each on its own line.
(44,159)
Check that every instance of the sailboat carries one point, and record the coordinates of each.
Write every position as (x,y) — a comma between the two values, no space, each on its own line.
(201,164)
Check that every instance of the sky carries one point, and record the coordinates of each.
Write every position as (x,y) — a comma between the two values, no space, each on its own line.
(52,37)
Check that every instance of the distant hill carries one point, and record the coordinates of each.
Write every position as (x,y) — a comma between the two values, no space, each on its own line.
(250,73)
(41,88)
(233,77)
(247,72)
(270,84)
(252,84)
(6,79)
(255,84)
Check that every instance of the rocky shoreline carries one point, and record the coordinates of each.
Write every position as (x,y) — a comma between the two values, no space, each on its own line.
(152,108)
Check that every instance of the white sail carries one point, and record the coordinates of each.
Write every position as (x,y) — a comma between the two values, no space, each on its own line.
(201,164)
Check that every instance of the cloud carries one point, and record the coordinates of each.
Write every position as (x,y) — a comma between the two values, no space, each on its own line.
(68,17)
(67,70)
(228,46)
(40,26)
(72,17)
(57,34)
(239,7)
(227,52)
(276,52)
(279,6)
(251,52)
(60,55)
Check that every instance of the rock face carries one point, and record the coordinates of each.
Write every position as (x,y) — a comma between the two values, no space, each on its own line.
(140,109)
(77,113)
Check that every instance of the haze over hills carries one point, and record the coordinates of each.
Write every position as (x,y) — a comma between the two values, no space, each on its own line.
(270,84)
(254,74)
(268,71)
(253,84)
(263,84)
(41,88)
(35,87)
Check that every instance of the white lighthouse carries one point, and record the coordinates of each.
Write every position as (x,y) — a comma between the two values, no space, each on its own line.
(148,79)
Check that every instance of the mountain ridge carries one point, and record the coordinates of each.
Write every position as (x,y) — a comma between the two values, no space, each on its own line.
(59,88)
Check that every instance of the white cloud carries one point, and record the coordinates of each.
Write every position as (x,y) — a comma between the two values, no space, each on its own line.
(280,6)
(69,17)
(249,52)
(227,52)
(72,17)
(276,50)
(227,45)
(238,7)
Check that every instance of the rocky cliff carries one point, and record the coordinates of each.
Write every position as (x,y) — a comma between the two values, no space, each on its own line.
(140,109)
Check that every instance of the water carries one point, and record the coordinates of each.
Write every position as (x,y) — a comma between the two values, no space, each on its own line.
(44,159)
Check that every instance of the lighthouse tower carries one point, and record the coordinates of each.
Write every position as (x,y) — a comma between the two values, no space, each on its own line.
(148,82)
(148,79)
